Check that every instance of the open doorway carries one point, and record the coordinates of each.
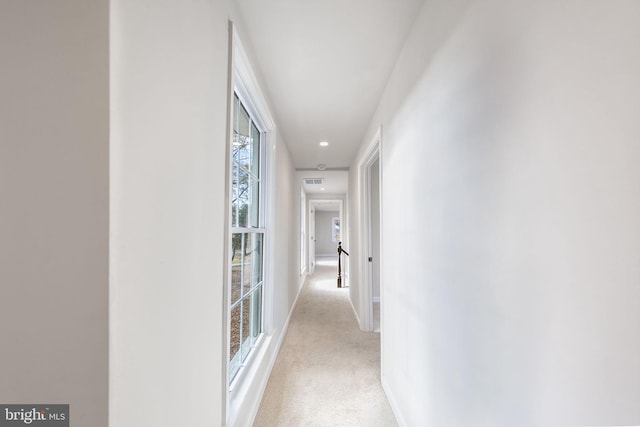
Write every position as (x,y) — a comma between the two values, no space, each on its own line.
(325,231)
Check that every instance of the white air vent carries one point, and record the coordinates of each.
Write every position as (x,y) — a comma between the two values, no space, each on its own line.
(313,181)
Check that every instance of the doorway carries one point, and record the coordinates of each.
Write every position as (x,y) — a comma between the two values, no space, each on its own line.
(325,231)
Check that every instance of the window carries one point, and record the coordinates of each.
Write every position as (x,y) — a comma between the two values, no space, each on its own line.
(335,229)
(247,236)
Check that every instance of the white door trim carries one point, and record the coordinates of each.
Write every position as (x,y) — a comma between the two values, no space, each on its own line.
(364,169)
(343,229)
(311,232)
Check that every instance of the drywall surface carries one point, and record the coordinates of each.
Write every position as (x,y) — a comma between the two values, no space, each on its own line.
(287,241)
(511,273)
(325,246)
(169,121)
(54,223)
(169,141)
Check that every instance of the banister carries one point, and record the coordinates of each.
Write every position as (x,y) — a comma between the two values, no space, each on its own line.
(340,252)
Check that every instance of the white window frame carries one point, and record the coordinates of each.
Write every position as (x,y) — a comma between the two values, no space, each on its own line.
(247,347)
(336,221)
(245,86)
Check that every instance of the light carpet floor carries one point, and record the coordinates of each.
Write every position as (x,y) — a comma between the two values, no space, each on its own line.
(328,372)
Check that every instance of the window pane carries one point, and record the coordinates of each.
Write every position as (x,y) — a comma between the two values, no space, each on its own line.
(246,266)
(246,199)
(244,131)
(235,331)
(256,265)
(256,313)
(254,219)
(236,266)
(236,128)
(253,262)
(242,148)
(246,325)
(243,196)
(255,151)
(234,195)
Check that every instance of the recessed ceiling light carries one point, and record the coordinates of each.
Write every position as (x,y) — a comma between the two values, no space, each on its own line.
(322,189)
(324,144)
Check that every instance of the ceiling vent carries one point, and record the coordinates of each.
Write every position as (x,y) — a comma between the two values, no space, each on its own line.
(313,181)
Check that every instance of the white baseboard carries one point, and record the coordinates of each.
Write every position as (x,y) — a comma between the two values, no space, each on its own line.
(392,402)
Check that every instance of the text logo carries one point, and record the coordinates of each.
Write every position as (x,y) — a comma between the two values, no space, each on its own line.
(34,415)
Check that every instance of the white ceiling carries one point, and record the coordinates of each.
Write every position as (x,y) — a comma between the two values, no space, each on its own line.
(326,206)
(333,182)
(325,64)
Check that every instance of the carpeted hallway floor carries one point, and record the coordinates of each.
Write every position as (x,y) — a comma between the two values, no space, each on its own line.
(328,371)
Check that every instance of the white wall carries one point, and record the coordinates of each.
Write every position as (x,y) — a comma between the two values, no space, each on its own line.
(325,246)
(287,259)
(511,273)
(169,141)
(54,192)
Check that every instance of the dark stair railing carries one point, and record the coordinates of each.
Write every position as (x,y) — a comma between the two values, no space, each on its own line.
(340,252)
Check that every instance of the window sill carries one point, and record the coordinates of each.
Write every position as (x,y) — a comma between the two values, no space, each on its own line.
(245,391)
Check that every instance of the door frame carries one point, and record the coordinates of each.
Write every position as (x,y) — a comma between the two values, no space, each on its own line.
(311,232)
(366,267)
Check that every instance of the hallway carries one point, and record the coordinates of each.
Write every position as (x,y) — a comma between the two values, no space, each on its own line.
(328,371)
(150,150)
